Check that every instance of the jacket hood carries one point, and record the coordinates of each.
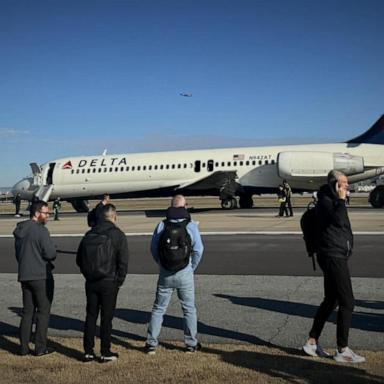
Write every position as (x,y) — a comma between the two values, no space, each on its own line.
(23,228)
(174,213)
(327,190)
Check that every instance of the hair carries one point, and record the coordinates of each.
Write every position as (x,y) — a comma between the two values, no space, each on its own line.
(106,196)
(36,207)
(108,212)
(333,176)
(178,201)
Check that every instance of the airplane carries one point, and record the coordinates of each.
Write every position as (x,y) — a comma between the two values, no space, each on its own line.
(233,174)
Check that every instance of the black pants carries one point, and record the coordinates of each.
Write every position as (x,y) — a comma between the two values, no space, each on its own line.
(289,206)
(283,209)
(101,296)
(337,292)
(37,300)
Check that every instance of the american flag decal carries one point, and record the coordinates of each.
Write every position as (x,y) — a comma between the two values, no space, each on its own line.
(238,157)
(67,165)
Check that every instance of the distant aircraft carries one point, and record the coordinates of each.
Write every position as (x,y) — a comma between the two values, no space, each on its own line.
(229,173)
(186,94)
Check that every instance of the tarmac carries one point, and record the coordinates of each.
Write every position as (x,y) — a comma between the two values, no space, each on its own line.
(256,309)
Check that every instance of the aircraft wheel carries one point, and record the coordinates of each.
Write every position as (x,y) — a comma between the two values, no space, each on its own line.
(80,205)
(230,203)
(376,197)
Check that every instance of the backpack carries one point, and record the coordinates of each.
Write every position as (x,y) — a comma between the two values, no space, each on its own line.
(97,255)
(308,223)
(175,245)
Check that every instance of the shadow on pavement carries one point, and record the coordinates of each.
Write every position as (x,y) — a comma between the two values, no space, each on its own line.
(371,322)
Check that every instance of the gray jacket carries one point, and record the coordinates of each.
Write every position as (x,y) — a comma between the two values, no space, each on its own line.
(35,251)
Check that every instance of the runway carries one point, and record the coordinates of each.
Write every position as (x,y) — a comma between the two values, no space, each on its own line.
(282,255)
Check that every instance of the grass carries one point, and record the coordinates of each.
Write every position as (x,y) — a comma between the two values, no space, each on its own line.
(217,363)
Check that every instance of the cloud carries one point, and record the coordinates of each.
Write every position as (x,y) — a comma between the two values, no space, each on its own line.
(11,133)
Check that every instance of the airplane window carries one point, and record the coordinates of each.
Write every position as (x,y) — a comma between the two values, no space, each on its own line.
(266,161)
(241,163)
(94,170)
(254,162)
(127,169)
(138,167)
(144,167)
(273,161)
(105,169)
(72,171)
(77,170)
(203,165)
(167,166)
(222,164)
(260,162)
(229,164)
(247,163)
(179,166)
(173,166)
(99,170)
(155,167)
(235,163)
(216,164)
(111,169)
(88,170)
(185,165)
(161,166)
(116,169)
(150,167)
(133,168)
(121,169)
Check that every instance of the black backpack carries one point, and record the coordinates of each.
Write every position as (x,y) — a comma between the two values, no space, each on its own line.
(175,245)
(308,223)
(91,218)
(97,255)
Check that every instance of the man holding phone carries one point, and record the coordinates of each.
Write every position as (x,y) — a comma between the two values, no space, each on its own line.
(335,243)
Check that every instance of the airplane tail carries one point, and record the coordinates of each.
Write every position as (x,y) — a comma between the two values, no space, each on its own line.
(374,135)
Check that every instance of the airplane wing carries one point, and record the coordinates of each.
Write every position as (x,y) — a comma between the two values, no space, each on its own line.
(218,179)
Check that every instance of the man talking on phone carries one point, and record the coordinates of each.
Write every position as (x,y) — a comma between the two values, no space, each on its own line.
(335,243)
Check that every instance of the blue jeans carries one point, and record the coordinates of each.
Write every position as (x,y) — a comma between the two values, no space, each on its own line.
(183,283)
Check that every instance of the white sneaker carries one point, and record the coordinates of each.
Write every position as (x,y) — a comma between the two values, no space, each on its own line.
(315,350)
(348,356)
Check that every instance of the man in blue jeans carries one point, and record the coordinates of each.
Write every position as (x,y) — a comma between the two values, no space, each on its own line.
(177,248)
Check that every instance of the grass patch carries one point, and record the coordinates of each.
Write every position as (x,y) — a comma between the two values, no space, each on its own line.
(217,363)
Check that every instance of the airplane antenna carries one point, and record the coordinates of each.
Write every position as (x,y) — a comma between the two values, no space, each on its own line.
(104,152)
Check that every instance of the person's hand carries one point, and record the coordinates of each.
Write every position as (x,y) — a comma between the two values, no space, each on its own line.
(341,191)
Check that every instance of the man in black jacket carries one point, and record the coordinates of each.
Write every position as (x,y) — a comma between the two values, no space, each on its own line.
(335,243)
(35,252)
(102,292)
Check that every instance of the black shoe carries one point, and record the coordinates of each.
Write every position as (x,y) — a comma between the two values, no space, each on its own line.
(88,357)
(108,356)
(149,349)
(48,351)
(193,349)
(24,353)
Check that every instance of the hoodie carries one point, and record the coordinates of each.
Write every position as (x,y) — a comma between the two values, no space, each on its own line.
(35,251)
(335,233)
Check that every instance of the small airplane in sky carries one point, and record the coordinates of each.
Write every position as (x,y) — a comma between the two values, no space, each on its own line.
(186,94)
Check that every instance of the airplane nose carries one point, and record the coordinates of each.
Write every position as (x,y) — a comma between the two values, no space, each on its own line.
(22,187)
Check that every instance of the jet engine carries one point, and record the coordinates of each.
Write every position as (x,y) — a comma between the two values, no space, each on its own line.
(292,165)
(80,205)
(376,197)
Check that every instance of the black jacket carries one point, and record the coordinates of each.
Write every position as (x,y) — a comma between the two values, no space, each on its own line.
(334,228)
(35,251)
(119,267)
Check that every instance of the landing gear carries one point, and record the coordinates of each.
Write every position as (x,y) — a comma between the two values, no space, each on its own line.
(80,206)
(229,203)
(246,201)
(376,197)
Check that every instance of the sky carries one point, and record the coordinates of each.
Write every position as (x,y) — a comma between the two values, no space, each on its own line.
(79,76)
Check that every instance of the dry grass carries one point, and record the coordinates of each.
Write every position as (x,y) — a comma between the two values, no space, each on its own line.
(215,364)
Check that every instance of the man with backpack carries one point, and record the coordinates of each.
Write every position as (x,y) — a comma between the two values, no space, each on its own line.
(177,248)
(103,260)
(333,248)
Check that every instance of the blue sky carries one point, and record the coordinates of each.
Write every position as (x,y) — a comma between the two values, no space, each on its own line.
(80,76)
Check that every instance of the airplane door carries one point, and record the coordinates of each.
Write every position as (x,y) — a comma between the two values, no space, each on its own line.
(210,165)
(197,166)
(50,173)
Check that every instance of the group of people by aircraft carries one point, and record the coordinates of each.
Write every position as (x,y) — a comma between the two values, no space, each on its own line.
(177,248)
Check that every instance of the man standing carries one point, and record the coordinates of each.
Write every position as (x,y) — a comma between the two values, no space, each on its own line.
(56,208)
(177,248)
(288,195)
(103,260)
(35,252)
(17,202)
(335,242)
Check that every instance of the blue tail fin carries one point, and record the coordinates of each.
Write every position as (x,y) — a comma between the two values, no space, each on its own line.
(374,135)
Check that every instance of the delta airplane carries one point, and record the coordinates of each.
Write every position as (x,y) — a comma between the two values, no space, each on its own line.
(233,174)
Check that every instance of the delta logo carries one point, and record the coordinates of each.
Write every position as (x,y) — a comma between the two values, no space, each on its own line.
(67,165)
